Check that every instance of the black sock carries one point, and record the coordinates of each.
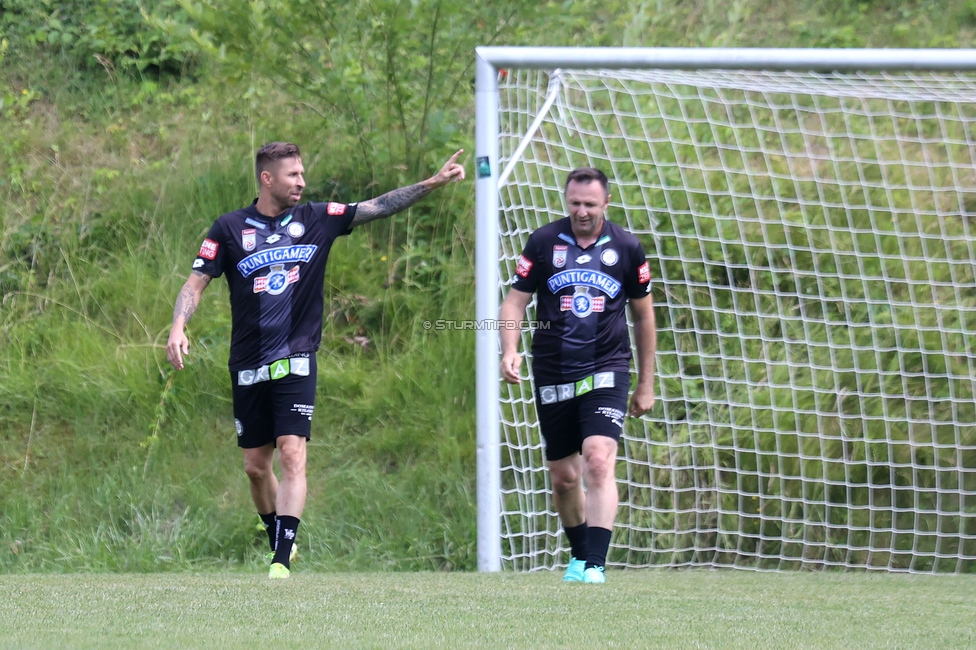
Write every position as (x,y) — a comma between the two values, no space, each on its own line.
(598,541)
(285,530)
(577,540)
(269,527)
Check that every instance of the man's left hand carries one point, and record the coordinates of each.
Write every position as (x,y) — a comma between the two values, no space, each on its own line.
(642,400)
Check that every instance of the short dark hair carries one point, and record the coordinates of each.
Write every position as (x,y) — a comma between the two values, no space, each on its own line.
(272,153)
(588,175)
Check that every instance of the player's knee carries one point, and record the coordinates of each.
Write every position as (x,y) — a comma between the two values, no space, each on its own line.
(599,458)
(600,469)
(565,482)
(291,455)
(292,465)
(257,471)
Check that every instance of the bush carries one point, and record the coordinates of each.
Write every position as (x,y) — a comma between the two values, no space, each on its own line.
(111,33)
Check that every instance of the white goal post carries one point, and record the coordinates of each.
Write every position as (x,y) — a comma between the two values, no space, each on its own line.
(810,221)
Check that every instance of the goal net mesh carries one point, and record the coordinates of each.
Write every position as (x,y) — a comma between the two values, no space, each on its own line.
(811,242)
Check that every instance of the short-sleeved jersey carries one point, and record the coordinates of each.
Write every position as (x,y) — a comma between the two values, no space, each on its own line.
(275,270)
(582,298)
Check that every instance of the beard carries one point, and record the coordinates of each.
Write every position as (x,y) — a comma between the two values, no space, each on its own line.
(285,199)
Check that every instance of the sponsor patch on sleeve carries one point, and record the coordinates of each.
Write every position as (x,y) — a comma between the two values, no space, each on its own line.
(208,249)
(523,267)
(336,209)
(643,273)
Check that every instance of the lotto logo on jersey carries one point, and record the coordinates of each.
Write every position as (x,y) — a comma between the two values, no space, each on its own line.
(208,249)
(643,273)
(336,209)
(523,267)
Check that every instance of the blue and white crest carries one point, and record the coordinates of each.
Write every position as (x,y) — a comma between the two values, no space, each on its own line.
(275,282)
(277,279)
(582,303)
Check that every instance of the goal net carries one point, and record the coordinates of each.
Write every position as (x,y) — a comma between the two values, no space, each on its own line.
(812,242)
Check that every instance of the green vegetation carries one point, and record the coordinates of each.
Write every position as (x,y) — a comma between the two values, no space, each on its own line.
(120,142)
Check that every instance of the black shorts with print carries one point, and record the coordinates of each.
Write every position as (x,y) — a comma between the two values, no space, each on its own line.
(274,400)
(569,413)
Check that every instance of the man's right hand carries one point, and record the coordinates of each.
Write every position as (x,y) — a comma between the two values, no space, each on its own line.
(186,303)
(177,346)
(452,171)
(511,363)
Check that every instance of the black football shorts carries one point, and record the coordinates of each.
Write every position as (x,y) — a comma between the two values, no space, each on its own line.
(277,399)
(569,413)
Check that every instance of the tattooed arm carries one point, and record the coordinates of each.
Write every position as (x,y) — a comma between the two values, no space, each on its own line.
(389,203)
(186,305)
(402,198)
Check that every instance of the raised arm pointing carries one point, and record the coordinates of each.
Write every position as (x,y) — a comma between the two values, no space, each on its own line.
(400,199)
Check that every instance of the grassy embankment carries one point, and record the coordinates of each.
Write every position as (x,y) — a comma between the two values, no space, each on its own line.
(108,182)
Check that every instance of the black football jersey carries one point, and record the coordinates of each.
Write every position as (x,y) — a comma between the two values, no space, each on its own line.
(275,270)
(581,301)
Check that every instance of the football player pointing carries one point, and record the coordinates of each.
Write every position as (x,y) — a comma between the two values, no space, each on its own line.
(274,254)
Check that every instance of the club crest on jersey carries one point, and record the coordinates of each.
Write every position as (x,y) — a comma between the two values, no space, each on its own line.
(559,256)
(581,303)
(295,230)
(277,280)
(609,257)
(249,239)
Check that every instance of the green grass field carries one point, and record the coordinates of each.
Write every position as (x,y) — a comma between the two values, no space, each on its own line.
(635,609)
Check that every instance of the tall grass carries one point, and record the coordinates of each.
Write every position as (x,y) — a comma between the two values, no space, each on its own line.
(113,461)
